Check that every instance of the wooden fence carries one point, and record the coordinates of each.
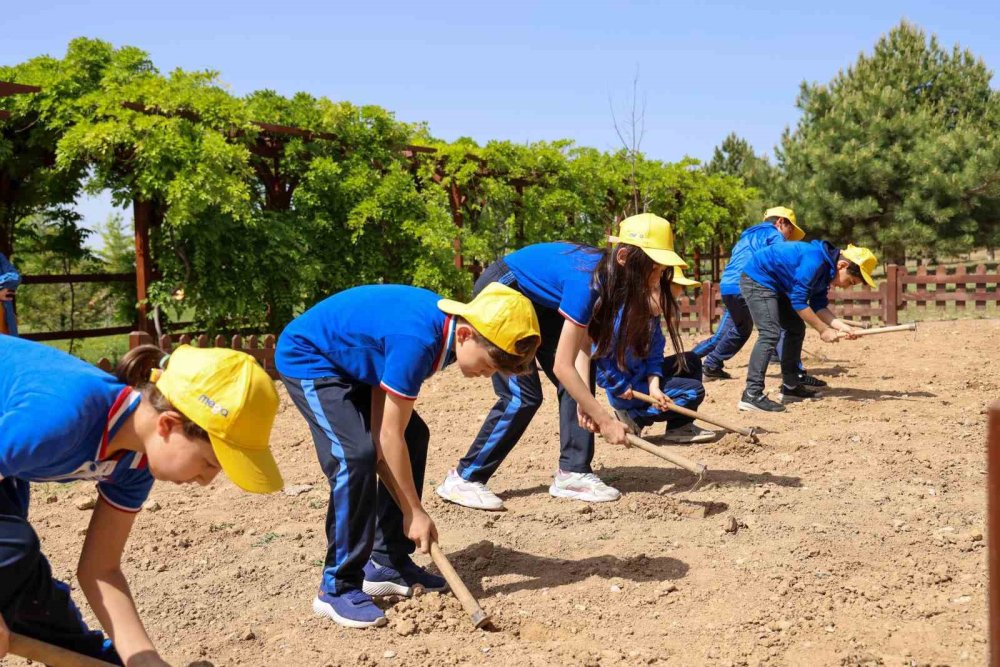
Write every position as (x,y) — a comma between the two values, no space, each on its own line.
(899,290)
(260,348)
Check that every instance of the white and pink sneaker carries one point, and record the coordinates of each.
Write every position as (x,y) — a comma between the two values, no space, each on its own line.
(587,487)
(468,494)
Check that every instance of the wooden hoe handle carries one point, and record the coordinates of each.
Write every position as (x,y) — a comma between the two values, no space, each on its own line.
(715,421)
(48,654)
(455,583)
(476,614)
(678,460)
(912,326)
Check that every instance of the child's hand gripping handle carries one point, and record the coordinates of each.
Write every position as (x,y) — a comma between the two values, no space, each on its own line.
(455,583)
(715,421)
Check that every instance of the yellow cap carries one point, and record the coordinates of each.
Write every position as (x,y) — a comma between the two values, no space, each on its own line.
(229,395)
(789,215)
(651,233)
(864,258)
(502,315)
(682,280)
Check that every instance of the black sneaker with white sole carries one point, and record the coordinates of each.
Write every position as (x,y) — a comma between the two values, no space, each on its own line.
(715,373)
(751,403)
(810,381)
(797,393)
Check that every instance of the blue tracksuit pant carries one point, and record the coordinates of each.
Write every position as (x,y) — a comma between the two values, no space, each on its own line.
(518,398)
(361,520)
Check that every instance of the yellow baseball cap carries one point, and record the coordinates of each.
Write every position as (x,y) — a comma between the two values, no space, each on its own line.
(651,233)
(680,279)
(789,215)
(229,395)
(501,314)
(864,258)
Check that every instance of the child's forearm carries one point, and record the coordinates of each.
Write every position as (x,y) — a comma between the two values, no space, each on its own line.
(109,596)
(397,463)
(810,317)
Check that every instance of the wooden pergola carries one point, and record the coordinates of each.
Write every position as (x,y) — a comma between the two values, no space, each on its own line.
(268,149)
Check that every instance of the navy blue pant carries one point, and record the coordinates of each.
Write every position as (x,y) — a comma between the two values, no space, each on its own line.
(683,387)
(518,399)
(733,333)
(338,412)
(31,601)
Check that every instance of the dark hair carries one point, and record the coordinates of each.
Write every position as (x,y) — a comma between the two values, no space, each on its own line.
(134,368)
(518,363)
(622,288)
(853,269)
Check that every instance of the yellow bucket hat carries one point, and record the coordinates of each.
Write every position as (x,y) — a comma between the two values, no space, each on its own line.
(229,395)
(651,233)
(502,315)
(864,258)
(789,215)
(682,280)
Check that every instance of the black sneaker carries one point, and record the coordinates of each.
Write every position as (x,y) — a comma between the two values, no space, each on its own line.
(760,403)
(716,373)
(810,381)
(797,393)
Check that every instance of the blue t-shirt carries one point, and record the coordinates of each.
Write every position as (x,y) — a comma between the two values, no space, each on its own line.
(557,276)
(801,271)
(57,416)
(388,336)
(751,240)
(637,370)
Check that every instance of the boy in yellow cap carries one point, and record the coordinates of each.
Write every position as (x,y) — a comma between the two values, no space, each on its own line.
(785,287)
(181,419)
(353,365)
(736,325)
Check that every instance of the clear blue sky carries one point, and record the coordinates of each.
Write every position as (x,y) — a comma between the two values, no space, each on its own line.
(516,70)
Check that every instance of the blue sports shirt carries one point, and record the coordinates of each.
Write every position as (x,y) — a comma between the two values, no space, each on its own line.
(751,240)
(58,415)
(801,271)
(388,336)
(557,276)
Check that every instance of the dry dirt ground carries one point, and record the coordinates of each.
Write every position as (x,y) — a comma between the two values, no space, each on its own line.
(859,535)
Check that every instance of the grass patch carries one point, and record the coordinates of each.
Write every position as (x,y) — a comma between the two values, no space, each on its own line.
(93,349)
(266,538)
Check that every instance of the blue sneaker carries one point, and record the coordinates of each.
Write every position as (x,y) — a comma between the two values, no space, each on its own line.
(400,579)
(352,609)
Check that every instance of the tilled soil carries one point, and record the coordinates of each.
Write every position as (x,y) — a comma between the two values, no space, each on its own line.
(852,535)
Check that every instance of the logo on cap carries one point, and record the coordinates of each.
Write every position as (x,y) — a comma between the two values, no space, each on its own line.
(215,407)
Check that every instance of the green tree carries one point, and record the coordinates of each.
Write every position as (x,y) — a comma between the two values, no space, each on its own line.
(901,150)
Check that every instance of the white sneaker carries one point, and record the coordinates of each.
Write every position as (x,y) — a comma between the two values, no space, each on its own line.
(582,486)
(624,417)
(688,434)
(468,494)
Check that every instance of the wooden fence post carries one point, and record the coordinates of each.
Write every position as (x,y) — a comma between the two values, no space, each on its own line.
(992,529)
(889,303)
(705,307)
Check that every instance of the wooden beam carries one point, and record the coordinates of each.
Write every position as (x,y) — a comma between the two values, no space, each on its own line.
(62,278)
(142,213)
(78,333)
(8,88)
